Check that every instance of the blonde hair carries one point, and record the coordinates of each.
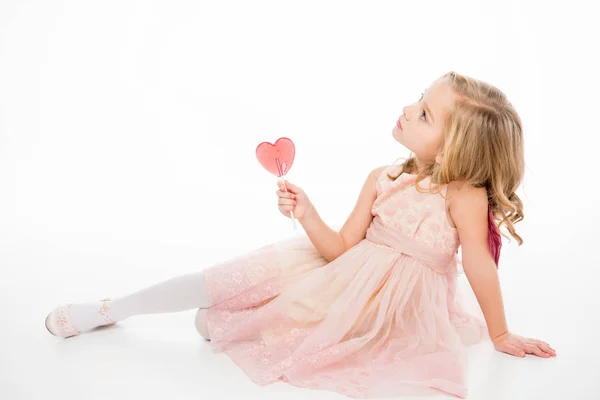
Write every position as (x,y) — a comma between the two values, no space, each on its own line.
(483,146)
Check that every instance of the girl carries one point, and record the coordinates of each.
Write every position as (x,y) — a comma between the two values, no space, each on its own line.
(371,310)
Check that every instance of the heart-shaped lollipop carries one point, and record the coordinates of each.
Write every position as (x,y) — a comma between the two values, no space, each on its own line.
(277,159)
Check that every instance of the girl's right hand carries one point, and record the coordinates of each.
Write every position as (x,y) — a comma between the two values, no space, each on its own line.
(293,200)
(518,346)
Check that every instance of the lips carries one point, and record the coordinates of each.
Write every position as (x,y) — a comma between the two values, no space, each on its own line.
(399,125)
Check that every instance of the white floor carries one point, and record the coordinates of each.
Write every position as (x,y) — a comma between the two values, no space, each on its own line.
(162,356)
(127,138)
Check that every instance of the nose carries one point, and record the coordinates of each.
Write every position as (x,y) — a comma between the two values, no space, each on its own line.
(404,109)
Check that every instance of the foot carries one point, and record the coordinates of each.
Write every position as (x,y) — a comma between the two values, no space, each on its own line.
(73,319)
(201,325)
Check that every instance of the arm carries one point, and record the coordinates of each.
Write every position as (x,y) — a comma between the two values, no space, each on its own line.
(469,211)
(468,208)
(332,244)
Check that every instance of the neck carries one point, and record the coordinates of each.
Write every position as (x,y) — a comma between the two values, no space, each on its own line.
(419,165)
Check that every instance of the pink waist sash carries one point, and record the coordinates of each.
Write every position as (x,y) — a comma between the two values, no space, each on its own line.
(383,236)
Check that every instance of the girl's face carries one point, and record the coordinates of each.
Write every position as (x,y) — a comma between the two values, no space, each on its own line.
(422,123)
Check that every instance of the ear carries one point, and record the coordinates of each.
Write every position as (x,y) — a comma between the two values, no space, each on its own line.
(438,158)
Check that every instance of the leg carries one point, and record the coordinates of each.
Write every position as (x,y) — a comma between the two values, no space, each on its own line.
(177,294)
(181,293)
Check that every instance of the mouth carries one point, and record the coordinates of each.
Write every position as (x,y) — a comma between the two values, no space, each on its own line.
(399,125)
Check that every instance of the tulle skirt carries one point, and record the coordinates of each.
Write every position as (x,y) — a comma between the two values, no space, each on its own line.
(373,322)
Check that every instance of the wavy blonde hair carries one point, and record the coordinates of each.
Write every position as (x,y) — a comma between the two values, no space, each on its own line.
(483,146)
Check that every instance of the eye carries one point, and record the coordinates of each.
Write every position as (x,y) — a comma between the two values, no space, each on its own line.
(423,113)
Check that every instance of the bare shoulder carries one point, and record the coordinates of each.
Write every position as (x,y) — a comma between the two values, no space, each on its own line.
(355,227)
(465,191)
(376,172)
(466,202)
(370,186)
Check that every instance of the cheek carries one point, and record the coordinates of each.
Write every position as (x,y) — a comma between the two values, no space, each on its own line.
(428,142)
(423,141)
(417,136)
(434,144)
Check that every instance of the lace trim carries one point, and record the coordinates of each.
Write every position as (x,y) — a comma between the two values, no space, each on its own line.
(105,311)
(63,322)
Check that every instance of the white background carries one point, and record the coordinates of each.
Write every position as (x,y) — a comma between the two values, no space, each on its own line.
(127,139)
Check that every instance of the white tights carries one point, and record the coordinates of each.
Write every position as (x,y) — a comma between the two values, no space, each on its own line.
(177,294)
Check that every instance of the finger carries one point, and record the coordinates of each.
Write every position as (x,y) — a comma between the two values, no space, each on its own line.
(550,347)
(545,347)
(284,187)
(534,349)
(287,202)
(291,187)
(513,350)
(288,195)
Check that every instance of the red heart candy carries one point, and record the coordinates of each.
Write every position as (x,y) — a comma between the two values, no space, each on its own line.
(276,158)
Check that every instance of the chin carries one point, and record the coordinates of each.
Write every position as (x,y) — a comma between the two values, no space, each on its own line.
(397,134)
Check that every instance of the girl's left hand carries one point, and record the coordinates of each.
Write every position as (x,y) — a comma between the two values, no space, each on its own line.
(518,346)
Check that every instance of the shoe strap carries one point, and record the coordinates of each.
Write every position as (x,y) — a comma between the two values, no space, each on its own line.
(105,310)
(64,323)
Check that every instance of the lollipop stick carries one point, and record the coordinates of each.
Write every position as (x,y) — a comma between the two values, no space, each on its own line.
(291,212)
(285,187)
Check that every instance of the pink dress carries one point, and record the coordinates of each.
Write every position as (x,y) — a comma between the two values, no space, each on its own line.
(382,319)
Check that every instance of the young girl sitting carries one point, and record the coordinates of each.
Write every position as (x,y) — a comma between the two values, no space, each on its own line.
(371,310)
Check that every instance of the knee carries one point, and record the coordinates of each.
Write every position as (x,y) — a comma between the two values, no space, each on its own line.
(200,322)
